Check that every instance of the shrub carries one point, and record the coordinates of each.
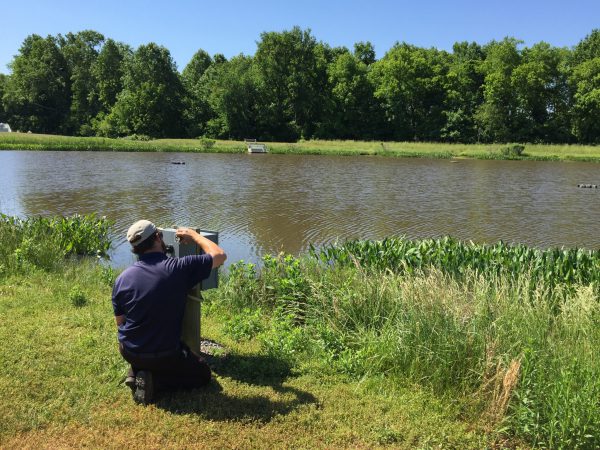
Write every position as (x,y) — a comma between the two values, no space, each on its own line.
(77,297)
(512,150)
(108,275)
(283,340)
(32,252)
(285,284)
(82,235)
(45,242)
(206,143)
(240,284)
(245,325)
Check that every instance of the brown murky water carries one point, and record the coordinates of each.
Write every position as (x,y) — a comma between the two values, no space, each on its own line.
(270,203)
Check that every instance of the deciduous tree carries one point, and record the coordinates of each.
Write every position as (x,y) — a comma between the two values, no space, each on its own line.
(365,52)
(355,113)
(409,83)
(196,110)
(586,110)
(464,92)
(235,99)
(292,67)
(108,70)
(3,81)
(588,48)
(151,100)
(541,90)
(37,96)
(81,51)
(497,117)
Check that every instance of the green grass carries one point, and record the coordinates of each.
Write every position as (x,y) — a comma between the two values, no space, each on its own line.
(26,141)
(515,350)
(60,375)
(61,371)
(353,347)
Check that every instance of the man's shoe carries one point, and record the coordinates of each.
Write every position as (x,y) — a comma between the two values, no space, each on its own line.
(144,387)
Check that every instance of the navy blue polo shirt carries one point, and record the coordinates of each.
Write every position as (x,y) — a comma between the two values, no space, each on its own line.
(151,294)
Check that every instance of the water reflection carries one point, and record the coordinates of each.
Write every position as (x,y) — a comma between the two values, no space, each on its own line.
(271,203)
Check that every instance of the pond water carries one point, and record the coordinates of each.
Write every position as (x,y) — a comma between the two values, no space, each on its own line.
(270,203)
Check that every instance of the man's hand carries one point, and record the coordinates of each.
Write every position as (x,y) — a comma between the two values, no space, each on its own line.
(185,235)
(188,236)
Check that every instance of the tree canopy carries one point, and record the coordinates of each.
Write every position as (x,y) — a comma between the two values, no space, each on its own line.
(296,87)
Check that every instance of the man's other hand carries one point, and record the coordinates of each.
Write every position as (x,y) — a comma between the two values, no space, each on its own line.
(186,235)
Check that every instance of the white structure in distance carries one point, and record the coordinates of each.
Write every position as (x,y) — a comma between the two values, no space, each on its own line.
(255,147)
(5,128)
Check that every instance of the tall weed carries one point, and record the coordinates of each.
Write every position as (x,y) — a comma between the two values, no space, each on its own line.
(44,243)
(510,331)
(551,267)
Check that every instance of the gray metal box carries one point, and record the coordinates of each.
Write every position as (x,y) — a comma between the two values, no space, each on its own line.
(177,250)
(190,330)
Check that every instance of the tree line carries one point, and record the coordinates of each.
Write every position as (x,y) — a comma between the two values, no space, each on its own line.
(295,87)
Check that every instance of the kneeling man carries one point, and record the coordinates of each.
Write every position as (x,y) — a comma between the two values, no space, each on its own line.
(149,301)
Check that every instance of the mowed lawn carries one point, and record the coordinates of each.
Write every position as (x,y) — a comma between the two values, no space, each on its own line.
(60,387)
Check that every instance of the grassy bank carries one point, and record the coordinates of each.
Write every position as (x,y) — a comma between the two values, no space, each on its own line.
(61,372)
(60,376)
(506,334)
(22,141)
(406,344)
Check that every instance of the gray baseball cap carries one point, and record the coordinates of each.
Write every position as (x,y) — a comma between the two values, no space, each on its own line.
(140,231)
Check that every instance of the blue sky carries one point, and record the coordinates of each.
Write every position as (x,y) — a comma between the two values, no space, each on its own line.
(233,27)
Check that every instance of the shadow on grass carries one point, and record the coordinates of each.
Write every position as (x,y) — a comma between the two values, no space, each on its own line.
(259,370)
(262,372)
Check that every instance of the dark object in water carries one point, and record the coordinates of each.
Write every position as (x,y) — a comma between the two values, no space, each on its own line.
(177,162)
(588,186)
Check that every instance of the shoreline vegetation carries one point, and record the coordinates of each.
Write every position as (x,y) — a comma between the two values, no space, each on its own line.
(536,152)
(397,343)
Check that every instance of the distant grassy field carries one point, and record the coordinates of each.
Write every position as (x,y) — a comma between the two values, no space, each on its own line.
(22,141)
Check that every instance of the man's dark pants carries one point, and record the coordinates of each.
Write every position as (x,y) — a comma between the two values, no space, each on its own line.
(171,370)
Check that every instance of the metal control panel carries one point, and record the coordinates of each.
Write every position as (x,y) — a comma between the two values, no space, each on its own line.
(177,249)
(190,330)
